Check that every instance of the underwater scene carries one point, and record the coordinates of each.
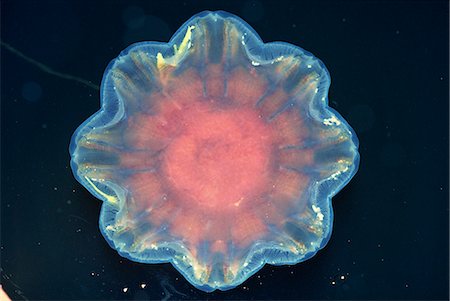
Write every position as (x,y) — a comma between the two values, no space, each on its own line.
(235,150)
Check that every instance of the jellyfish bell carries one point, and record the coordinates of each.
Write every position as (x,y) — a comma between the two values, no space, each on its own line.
(215,152)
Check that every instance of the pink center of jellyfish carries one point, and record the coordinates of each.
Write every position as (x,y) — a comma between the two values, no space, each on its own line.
(221,158)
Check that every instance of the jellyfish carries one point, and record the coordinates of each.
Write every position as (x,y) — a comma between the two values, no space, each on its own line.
(215,152)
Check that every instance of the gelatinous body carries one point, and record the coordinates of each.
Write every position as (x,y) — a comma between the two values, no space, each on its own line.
(215,152)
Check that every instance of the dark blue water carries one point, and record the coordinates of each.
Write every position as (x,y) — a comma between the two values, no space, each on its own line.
(389,67)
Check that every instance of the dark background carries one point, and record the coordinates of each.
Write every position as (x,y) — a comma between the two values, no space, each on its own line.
(388,62)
